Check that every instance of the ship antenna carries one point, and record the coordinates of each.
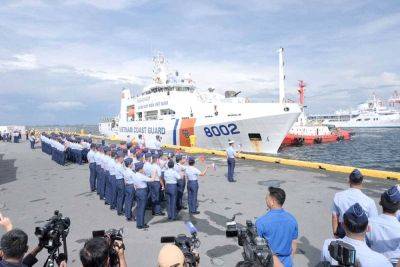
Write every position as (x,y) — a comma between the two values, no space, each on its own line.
(301,91)
(281,77)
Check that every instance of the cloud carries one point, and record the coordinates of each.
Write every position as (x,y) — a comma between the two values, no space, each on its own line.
(18,62)
(62,105)
(108,4)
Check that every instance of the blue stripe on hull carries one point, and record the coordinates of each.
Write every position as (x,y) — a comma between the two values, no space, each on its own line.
(174,132)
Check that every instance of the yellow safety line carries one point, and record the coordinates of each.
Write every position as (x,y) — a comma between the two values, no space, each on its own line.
(289,162)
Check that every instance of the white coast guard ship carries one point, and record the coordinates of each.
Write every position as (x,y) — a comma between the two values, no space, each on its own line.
(371,114)
(173,108)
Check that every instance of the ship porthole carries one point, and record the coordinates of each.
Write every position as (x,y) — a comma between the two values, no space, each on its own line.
(286,109)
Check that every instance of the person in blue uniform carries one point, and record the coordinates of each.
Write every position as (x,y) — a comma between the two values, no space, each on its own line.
(384,233)
(192,174)
(181,183)
(130,192)
(355,223)
(156,186)
(278,227)
(345,199)
(171,177)
(230,158)
(120,183)
(92,167)
(140,182)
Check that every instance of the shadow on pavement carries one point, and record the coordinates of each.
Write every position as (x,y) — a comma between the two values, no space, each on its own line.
(8,172)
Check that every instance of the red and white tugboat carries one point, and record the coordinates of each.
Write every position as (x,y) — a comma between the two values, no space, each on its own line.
(304,132)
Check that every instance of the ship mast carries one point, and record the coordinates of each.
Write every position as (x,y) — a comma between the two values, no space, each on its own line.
(281,77)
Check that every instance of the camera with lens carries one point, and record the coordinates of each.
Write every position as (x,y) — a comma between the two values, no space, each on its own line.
(53,235)
(186,244)
(343,253)
(111,235)
(256,250)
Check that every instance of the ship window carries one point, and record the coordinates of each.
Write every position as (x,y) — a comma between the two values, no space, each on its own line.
(151,115)
(358,120)
(367,119)
(255,137)
(139,115)
(167,112)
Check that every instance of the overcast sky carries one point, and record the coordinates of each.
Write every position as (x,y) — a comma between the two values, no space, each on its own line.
(65,62)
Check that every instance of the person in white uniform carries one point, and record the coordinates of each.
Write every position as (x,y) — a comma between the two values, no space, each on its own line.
(384,234)
(355,222)
(345,199)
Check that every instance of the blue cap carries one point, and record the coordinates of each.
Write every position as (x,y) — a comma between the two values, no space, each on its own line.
(393,194)
(191,159)
(139,155)
(132,150)
(356,215)
(120,154)
(138,166)
(178,157)
(356,176)
(128,161)
(147,155)
(106,149)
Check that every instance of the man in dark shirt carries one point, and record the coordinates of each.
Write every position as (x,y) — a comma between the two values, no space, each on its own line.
(14,245)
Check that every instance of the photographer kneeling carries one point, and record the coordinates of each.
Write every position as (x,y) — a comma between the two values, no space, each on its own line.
(355,225)
(96,253)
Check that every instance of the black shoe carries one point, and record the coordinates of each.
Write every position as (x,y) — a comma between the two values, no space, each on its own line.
(159,214)
(196,212)
(120,213)
(184,208)
(105,203)
(112,208)
(130,220)
(143,227)
(233,181)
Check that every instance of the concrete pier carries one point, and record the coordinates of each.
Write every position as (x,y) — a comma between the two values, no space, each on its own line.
(32,186)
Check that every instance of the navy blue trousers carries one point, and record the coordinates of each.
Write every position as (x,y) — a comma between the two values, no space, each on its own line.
(141,199)
(231,169)
(179,196)
(98,177)
(113,192)
(32,144)
(171,190)
(129,199)
(102,183)
(92,177)
(107,194)
(120,185)
(193,188)
(155,196)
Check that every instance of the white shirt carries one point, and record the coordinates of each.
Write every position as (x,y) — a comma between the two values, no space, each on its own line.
(171,176)
(345,199)
(192,173)
(90,156)
(366,256)
(384,235)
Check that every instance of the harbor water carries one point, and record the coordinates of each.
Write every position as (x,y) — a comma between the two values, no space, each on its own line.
(369,148)
(374,148)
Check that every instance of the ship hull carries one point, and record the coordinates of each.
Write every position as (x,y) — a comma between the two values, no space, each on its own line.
(262,134)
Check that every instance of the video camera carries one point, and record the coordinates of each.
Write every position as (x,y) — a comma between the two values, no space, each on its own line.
(111,236)
(53,235)
(256,251)
(343,253)
(186,245)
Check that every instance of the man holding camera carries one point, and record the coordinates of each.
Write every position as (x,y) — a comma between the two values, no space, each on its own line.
(279,227)
(345,199)
(14,245)
(99,252)
(384,234)
(355,226)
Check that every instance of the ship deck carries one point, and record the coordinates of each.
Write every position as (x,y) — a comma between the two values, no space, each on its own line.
(32,186)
